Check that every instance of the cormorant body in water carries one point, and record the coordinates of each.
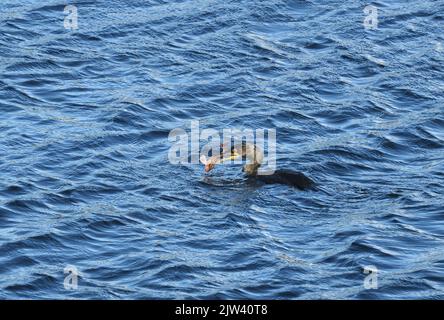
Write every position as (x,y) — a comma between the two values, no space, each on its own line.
(255,155)
(288,177)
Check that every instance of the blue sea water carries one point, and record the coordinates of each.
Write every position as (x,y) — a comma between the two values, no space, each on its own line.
(86,182)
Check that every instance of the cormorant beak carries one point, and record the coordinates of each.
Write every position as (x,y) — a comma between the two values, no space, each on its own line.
(234,155)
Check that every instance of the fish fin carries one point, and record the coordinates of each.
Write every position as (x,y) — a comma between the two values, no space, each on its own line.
(203,159)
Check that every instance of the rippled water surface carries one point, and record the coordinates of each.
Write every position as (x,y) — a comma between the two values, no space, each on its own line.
(85,178)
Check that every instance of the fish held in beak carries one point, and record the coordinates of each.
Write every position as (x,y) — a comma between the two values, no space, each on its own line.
(209,163)
(209,167)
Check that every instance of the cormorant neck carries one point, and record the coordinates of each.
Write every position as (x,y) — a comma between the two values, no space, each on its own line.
(256,156)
